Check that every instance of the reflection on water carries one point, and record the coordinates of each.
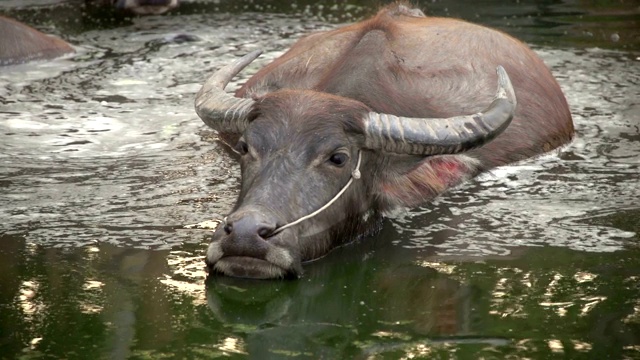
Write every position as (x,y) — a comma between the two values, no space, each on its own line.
(104,161)
(382,300)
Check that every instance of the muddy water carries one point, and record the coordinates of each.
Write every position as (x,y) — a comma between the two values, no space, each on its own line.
(103,161)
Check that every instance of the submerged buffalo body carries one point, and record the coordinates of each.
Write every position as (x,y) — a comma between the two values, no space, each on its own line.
(354,123)
(20,43)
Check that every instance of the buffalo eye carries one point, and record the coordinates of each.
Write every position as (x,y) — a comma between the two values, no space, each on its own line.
(339,159)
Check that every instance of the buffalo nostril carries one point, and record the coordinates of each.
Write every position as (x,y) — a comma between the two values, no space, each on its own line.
(248,225)
(265,232)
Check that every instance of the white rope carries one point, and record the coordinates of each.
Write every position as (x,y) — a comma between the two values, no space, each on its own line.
(355,174)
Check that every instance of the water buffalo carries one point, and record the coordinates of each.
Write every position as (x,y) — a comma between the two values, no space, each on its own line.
(355,123)
(20,43)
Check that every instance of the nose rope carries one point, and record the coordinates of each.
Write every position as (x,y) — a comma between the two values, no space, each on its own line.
(355,174)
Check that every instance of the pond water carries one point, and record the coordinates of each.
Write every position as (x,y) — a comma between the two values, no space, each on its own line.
(103,162)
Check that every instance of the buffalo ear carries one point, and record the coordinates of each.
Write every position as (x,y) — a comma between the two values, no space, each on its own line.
(426,179)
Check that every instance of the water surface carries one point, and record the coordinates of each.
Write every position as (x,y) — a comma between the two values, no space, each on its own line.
(103,162)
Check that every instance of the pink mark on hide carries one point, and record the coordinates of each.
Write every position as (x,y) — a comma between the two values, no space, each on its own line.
(430,178)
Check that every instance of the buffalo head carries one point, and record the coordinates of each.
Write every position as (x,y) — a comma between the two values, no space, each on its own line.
(320,169)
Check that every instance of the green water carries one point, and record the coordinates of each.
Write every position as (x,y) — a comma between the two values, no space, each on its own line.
(103,161)
(110,302)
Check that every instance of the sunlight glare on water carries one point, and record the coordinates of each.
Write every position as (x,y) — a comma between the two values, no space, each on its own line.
(115,143)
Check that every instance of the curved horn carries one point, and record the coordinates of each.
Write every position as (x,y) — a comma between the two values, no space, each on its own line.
(424,136)
(220,110)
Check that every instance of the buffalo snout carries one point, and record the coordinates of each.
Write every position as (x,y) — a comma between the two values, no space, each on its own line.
(246,234)
(246,245)
(250,224)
